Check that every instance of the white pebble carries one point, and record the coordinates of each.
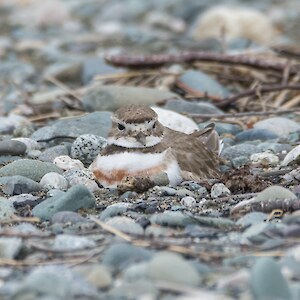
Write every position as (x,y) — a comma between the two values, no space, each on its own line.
(65,162)
(266,157)
(291,157)
(219,190)
(90,184)
(188,201)
(54,180)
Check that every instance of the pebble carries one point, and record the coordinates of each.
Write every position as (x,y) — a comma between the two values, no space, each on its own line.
(63,217)
(65,162)
(15,185)
(29,143)
(171,218)
(6,209)
(166,191)
(32,169)
(91,185)
(10,247)
(111,97)
(126,225)
(274,147)
(97,123)
(278,125)
(51,153)
(12,147)
(252,219)
(219,190)
(136,272)
(267,281)
(240,161)
(113,210)
(65,242)
(188,202)
(182,192)
(292,157)
(255,134)
(54,180)
(265,158)
(75,198)
(87,147)
(275,193)
(239,150)
(171,267)
(157,231)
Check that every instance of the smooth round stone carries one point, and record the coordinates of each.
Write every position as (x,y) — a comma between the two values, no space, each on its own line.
(15,185)
(219,190)
(274,193)
(188,202)
(111,97)
(156,231)
(34,154)
(255,233)
(65,162)
(239,150)
(23,198)
(12,147)
(32,169)
(278,125)
(166,191)
(292,157)
(267,281)
(160,179)
(10,247)
(126,225)
(119,256)
(171,267)
(51,153)
(181,193)
(63,217)
(240,161)
(54,180)
(6,209)
(252,219)
(136,272)
(75,198)
(91,185)
(223,128)
(30,143)
(113,210)
(265,158)
(98,123)
(172,219)
(87,147)
(256,134)
(65,242)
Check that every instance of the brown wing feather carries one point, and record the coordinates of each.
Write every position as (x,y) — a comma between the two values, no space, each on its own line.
(194,159)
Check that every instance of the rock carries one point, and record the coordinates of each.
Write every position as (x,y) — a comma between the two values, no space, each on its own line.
(219,190)
(136,272)
(51,153)
(12,147)
(275,193)
(292,157)
(274,147)
(171,267)
(182,192)
(91,185)
(188,202)
(54,180)
(65,162)
(239,150)
(65,242)
(255,134)
(184,107)
(114,210)
(166,191)
(278,125)
(63,217)
(160,179)
(267,281)
(75,198)
(10,247)
(171,218)
(240,161)
(12,121)
(64,71)
(265,158)
(30,143)
(6,209)
(97,123)
(223,128)
(118,256)
(237,22)
(86,147)
(159,231)
(175,121)
(256,233)
(24,199)
(111,97)
(32,169)
(252,219)
(126,225)
(202,83)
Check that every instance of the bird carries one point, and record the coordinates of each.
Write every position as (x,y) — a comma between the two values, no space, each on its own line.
(139,145)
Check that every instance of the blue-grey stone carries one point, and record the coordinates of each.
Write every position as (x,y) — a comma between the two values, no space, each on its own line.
(51,153)
(12,147)
(75,198)
(252,219)
(33,169)
(267,281)
(203,83)
(97,123)
(172,219)
(275,193)
(125,224)
(66,242)
(63,217)
(256,134)
(16,185)
(239,150)
(275,147)
(6,209)
(240,161)
(114,210)
(10,247)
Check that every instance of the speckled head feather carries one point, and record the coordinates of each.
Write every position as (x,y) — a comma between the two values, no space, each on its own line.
(135,113)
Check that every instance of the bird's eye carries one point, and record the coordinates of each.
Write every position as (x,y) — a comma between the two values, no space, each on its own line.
(154,125)
(121,127)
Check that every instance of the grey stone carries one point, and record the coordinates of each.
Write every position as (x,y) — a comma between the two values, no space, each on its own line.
(54,180)
(32,169)
(12,147)
(156,231)
(64,217)
(203,83)
(118,256)
(239,150)
(252,219)
(10,247)
(75,198)
(51,153)
(65,242)
(136,272)
(255,233)
(275,193)
(275,147)
(279,125)
(171,267)
(86,147)
(9,123)
(126,225)
(166,191)
(16,71)
(29,143)
(97,123)
(217,222)
(256,134)
(267,281)
(111,97)
(172,219)
(219,190)
(188,201)
(6,209)
(15,185)
(182,192)
(240,161)
(114,210)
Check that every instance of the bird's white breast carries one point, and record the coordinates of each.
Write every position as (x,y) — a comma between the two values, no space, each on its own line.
(136,164)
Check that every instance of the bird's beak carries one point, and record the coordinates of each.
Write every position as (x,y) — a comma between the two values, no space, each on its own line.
(141,138)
